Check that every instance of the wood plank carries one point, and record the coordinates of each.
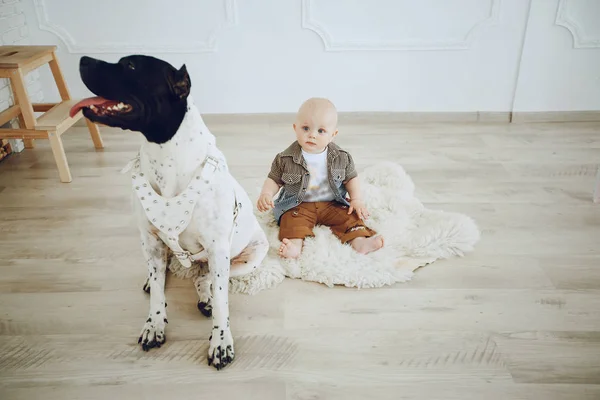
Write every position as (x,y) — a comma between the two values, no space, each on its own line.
(36,63)
(43,107)
(23,134)
(519,318)
(59,79)
(256,389)
(58,118)
(19,56)
(60,157)
(564,357)
(441,390)
(17,81)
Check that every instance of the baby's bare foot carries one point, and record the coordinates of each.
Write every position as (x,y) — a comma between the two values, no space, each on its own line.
(366,245)
(290,248)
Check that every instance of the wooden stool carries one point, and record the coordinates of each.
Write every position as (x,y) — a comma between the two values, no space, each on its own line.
(15,63)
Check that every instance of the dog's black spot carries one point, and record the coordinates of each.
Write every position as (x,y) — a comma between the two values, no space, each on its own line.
(149,320)
(158,312)
(166,321)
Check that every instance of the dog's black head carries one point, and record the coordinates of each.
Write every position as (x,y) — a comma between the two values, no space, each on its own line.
(138,93)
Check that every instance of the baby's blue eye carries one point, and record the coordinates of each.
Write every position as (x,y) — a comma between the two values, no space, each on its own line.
(321,131)
(305,128)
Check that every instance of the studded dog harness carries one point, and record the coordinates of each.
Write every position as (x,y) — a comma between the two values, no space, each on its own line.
(172,215)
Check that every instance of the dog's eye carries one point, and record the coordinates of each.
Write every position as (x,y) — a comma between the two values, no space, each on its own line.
(130,65)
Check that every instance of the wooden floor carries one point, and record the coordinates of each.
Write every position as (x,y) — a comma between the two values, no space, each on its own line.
(517,319)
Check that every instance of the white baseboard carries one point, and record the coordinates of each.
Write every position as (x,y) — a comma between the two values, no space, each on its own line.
(399,117)
(556,116)
(388,117)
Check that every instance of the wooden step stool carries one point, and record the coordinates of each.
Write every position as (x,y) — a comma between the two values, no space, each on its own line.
(15,63)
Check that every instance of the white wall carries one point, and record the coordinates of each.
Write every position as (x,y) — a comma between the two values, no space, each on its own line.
(383,55)
(14,31)
(560,69)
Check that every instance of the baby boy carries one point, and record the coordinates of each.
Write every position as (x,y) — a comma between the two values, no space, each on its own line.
(316,174)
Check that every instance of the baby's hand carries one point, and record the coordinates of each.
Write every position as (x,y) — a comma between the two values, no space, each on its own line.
(265,202)
(360,208)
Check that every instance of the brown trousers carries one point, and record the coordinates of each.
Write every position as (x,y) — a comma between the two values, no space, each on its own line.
(298,222)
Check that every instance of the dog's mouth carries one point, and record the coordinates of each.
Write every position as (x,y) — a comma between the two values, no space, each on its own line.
(102,107)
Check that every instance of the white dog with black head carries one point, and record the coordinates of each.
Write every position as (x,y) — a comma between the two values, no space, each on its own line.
(187,203)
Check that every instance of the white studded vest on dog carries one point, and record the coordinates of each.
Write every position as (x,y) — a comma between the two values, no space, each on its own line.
(172,215)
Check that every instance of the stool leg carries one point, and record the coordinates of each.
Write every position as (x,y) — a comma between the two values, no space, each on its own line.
(29,143)
(95,134)
(27,117)
(60,157)
(63,89)
(61,84)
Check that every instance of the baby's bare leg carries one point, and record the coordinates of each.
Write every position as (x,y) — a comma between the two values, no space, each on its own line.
(349,228)
(291,248)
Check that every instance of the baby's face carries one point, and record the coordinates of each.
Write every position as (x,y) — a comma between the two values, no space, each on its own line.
(315,128)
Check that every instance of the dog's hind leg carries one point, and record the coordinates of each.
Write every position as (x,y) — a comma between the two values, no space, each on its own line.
(203,284)
(252,256)
(155,253)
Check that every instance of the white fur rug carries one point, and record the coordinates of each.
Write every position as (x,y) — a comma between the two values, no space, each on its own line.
(414,236)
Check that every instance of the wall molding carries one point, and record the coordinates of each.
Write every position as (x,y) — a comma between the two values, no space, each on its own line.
(207,45)
(580,39)
(333,44)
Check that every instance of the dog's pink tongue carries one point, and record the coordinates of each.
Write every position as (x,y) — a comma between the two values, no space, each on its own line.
(91,101)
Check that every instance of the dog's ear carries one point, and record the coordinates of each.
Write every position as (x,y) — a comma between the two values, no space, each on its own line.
(180,83)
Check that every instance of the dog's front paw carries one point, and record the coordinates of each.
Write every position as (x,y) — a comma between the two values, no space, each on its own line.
(153,333)
(220,350)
